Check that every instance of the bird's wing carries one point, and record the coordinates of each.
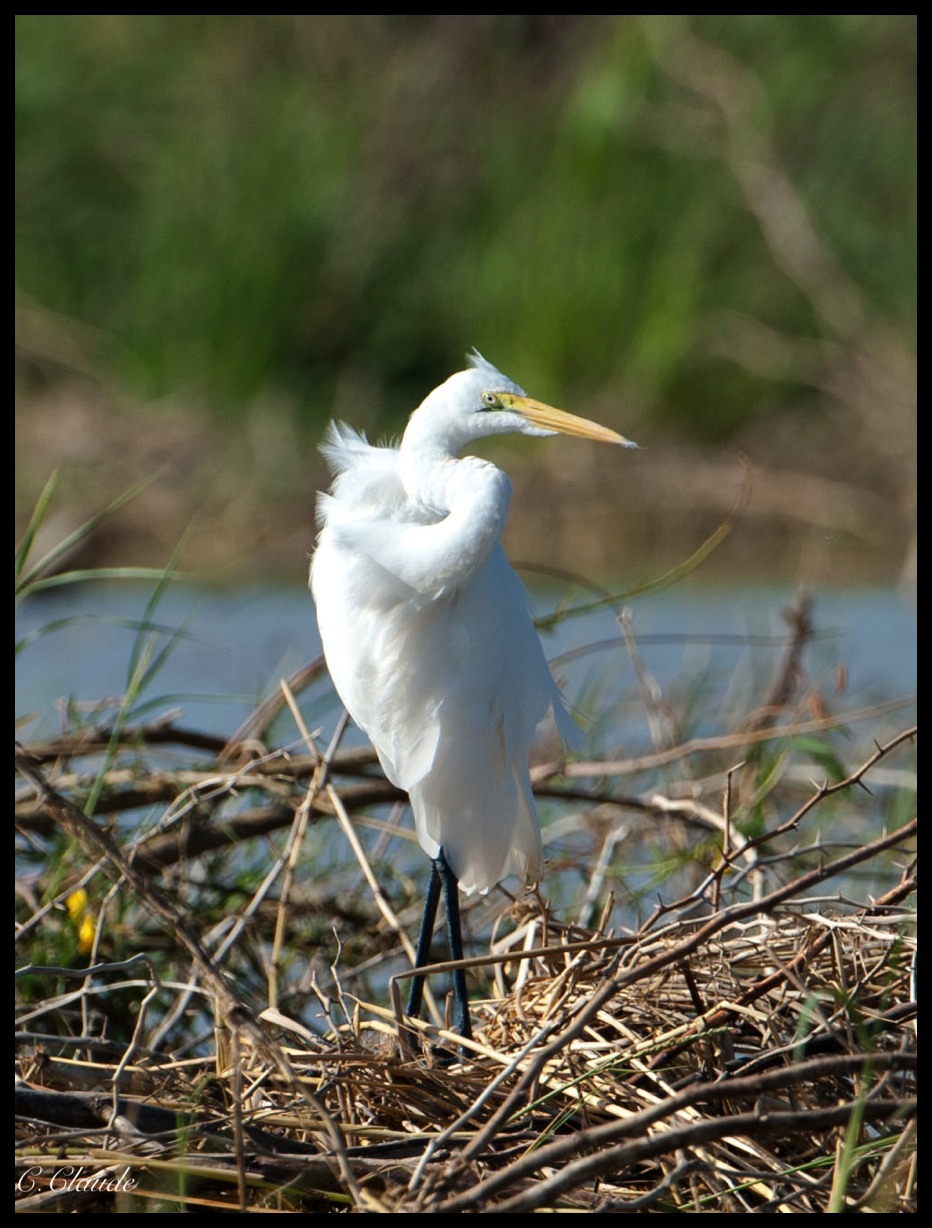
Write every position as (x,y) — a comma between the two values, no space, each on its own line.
(361,600)
(475,691)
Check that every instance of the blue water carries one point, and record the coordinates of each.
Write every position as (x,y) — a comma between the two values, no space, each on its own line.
(221,651)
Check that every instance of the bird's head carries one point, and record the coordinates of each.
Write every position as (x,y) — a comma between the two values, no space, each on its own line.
(482,401)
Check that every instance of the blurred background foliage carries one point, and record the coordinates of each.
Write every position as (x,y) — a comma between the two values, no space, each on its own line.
(700,230)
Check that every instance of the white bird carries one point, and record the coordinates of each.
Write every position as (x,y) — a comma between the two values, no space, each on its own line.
(427,636)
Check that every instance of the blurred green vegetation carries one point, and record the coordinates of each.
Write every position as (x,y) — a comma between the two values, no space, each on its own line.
(686,226)
(254,204)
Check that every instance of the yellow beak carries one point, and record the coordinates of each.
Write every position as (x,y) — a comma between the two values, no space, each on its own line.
(550,419)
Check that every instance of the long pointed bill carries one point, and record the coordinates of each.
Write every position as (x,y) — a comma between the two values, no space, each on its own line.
(550,419)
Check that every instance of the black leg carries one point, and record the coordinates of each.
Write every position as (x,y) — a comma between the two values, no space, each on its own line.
(441,874)
(451,901)
(429,916)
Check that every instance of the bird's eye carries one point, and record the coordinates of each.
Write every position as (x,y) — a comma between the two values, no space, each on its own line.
(490,400)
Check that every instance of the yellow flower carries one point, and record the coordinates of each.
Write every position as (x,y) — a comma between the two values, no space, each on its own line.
(83,920)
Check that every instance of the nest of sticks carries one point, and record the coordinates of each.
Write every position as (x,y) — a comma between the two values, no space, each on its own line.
(758,1056)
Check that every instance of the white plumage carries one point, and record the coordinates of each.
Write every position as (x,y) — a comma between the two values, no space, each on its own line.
(425,625)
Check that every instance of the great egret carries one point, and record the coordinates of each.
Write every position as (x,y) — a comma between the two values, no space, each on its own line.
(427,636)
